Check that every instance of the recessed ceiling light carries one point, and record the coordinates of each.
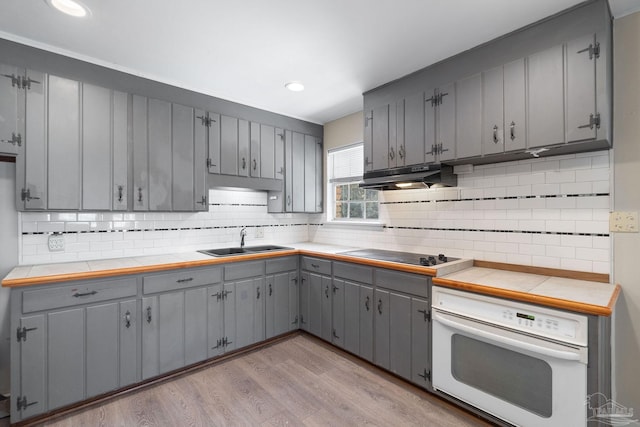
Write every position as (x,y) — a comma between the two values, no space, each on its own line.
(70,7)
(295,86)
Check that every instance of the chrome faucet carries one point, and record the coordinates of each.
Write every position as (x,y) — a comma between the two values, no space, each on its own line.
(243,233)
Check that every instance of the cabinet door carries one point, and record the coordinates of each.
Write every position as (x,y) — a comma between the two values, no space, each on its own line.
(400,337)
(96,147)
(545,100)
(365,309)
(309,173)
(255,150)
(493,111)
(200,188)
(325,306)
(420,339)
(278,305)
(213,140)
(102,331)
(150,337)
(289,171)
(228,145)
(469,117)
(11,101)
(66,357)
(294,292)
(380,139)
(351,331)
(160,173)
(267,151)
(447,123)
(279,154)
(32,367)
(319,176)
(258,310)
(171,331)
(411,149)
(140,148)
(338,318)
(35,144)
(305,297)
(367,146)
(381,322)
(430,125)
(182,158)
(315,305)
(128,342)
(244,140)
(515,123)
(120,158)
(63,171)
(298,164)
(243,313)
(581,89)
(195,326)
(215,320)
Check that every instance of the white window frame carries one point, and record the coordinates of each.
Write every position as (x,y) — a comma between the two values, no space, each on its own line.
(332,182)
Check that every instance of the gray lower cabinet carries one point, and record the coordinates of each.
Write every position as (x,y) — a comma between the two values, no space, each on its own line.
(73,342)
(281,299)
(244,304)
(175,323)
(402,325)
(315,296)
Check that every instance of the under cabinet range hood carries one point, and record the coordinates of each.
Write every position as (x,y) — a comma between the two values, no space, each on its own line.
(408,177)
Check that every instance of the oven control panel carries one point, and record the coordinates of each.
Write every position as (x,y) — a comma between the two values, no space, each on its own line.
(554,324)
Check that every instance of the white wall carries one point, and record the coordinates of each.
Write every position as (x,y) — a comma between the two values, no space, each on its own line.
(626,247)
(110,235)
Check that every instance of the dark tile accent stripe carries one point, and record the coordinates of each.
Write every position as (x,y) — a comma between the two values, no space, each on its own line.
(546,196)
(559,233)
(134,230)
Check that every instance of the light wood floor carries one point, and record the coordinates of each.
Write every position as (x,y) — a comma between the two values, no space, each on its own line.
(298,382)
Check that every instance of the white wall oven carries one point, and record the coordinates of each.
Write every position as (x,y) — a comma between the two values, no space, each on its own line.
(519,362)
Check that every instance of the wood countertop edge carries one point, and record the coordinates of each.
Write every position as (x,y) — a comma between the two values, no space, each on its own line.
(86,275)
(564,304)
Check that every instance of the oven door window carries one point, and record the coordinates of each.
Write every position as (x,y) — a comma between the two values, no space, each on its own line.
(514,377)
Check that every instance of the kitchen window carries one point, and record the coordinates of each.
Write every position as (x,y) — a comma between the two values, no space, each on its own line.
(347,201)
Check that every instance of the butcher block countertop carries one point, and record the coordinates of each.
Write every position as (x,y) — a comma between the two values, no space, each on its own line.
(575,291)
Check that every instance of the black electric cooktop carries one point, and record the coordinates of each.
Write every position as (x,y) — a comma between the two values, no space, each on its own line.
(401,257)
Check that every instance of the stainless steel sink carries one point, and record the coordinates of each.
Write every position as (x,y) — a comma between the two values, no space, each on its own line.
(243,251)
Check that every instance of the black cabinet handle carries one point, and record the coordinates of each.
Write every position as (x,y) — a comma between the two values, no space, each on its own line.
(366,303)
(188,279)
(244,163)
(120,192)
(495,134)
(512,130)
(139,194)
(380,306)
(255,164)
(316,266)
(270,290)
(335,335)
(84,294)
(258,292)
(127,319)
(326,291)
(149,314)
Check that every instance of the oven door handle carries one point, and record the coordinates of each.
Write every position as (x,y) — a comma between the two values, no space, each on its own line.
(558,354)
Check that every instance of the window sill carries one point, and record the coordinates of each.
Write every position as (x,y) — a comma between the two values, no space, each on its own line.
(374,226)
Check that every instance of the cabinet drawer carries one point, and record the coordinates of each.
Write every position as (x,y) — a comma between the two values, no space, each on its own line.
(278,265)
(414,284)
(316,265)
(355,272)
(243,270)
(180,280)
(77,294)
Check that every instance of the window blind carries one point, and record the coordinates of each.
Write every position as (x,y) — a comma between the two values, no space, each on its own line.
(346,164)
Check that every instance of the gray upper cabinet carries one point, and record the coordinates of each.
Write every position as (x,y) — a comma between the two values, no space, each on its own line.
(583,117)
(11,102)
(140,148)
(210,133)
(440,123)
(63,148)
(244,159)
(200,165)
(183,159)
(545,98)
(290,170)
(254,165)
(310,173)
(367,146)
(279,153)
(228,145)
(160,155)
(410,131)
(469,117)
(267,151)
(298,165)
(503,107)
(120,156)
(382,141)
(319,176)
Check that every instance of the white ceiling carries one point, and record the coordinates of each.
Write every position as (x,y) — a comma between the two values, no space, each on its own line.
(245,51)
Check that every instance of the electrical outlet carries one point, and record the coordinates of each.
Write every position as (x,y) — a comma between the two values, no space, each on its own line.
(56,242)
(259,233)
(623,222)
